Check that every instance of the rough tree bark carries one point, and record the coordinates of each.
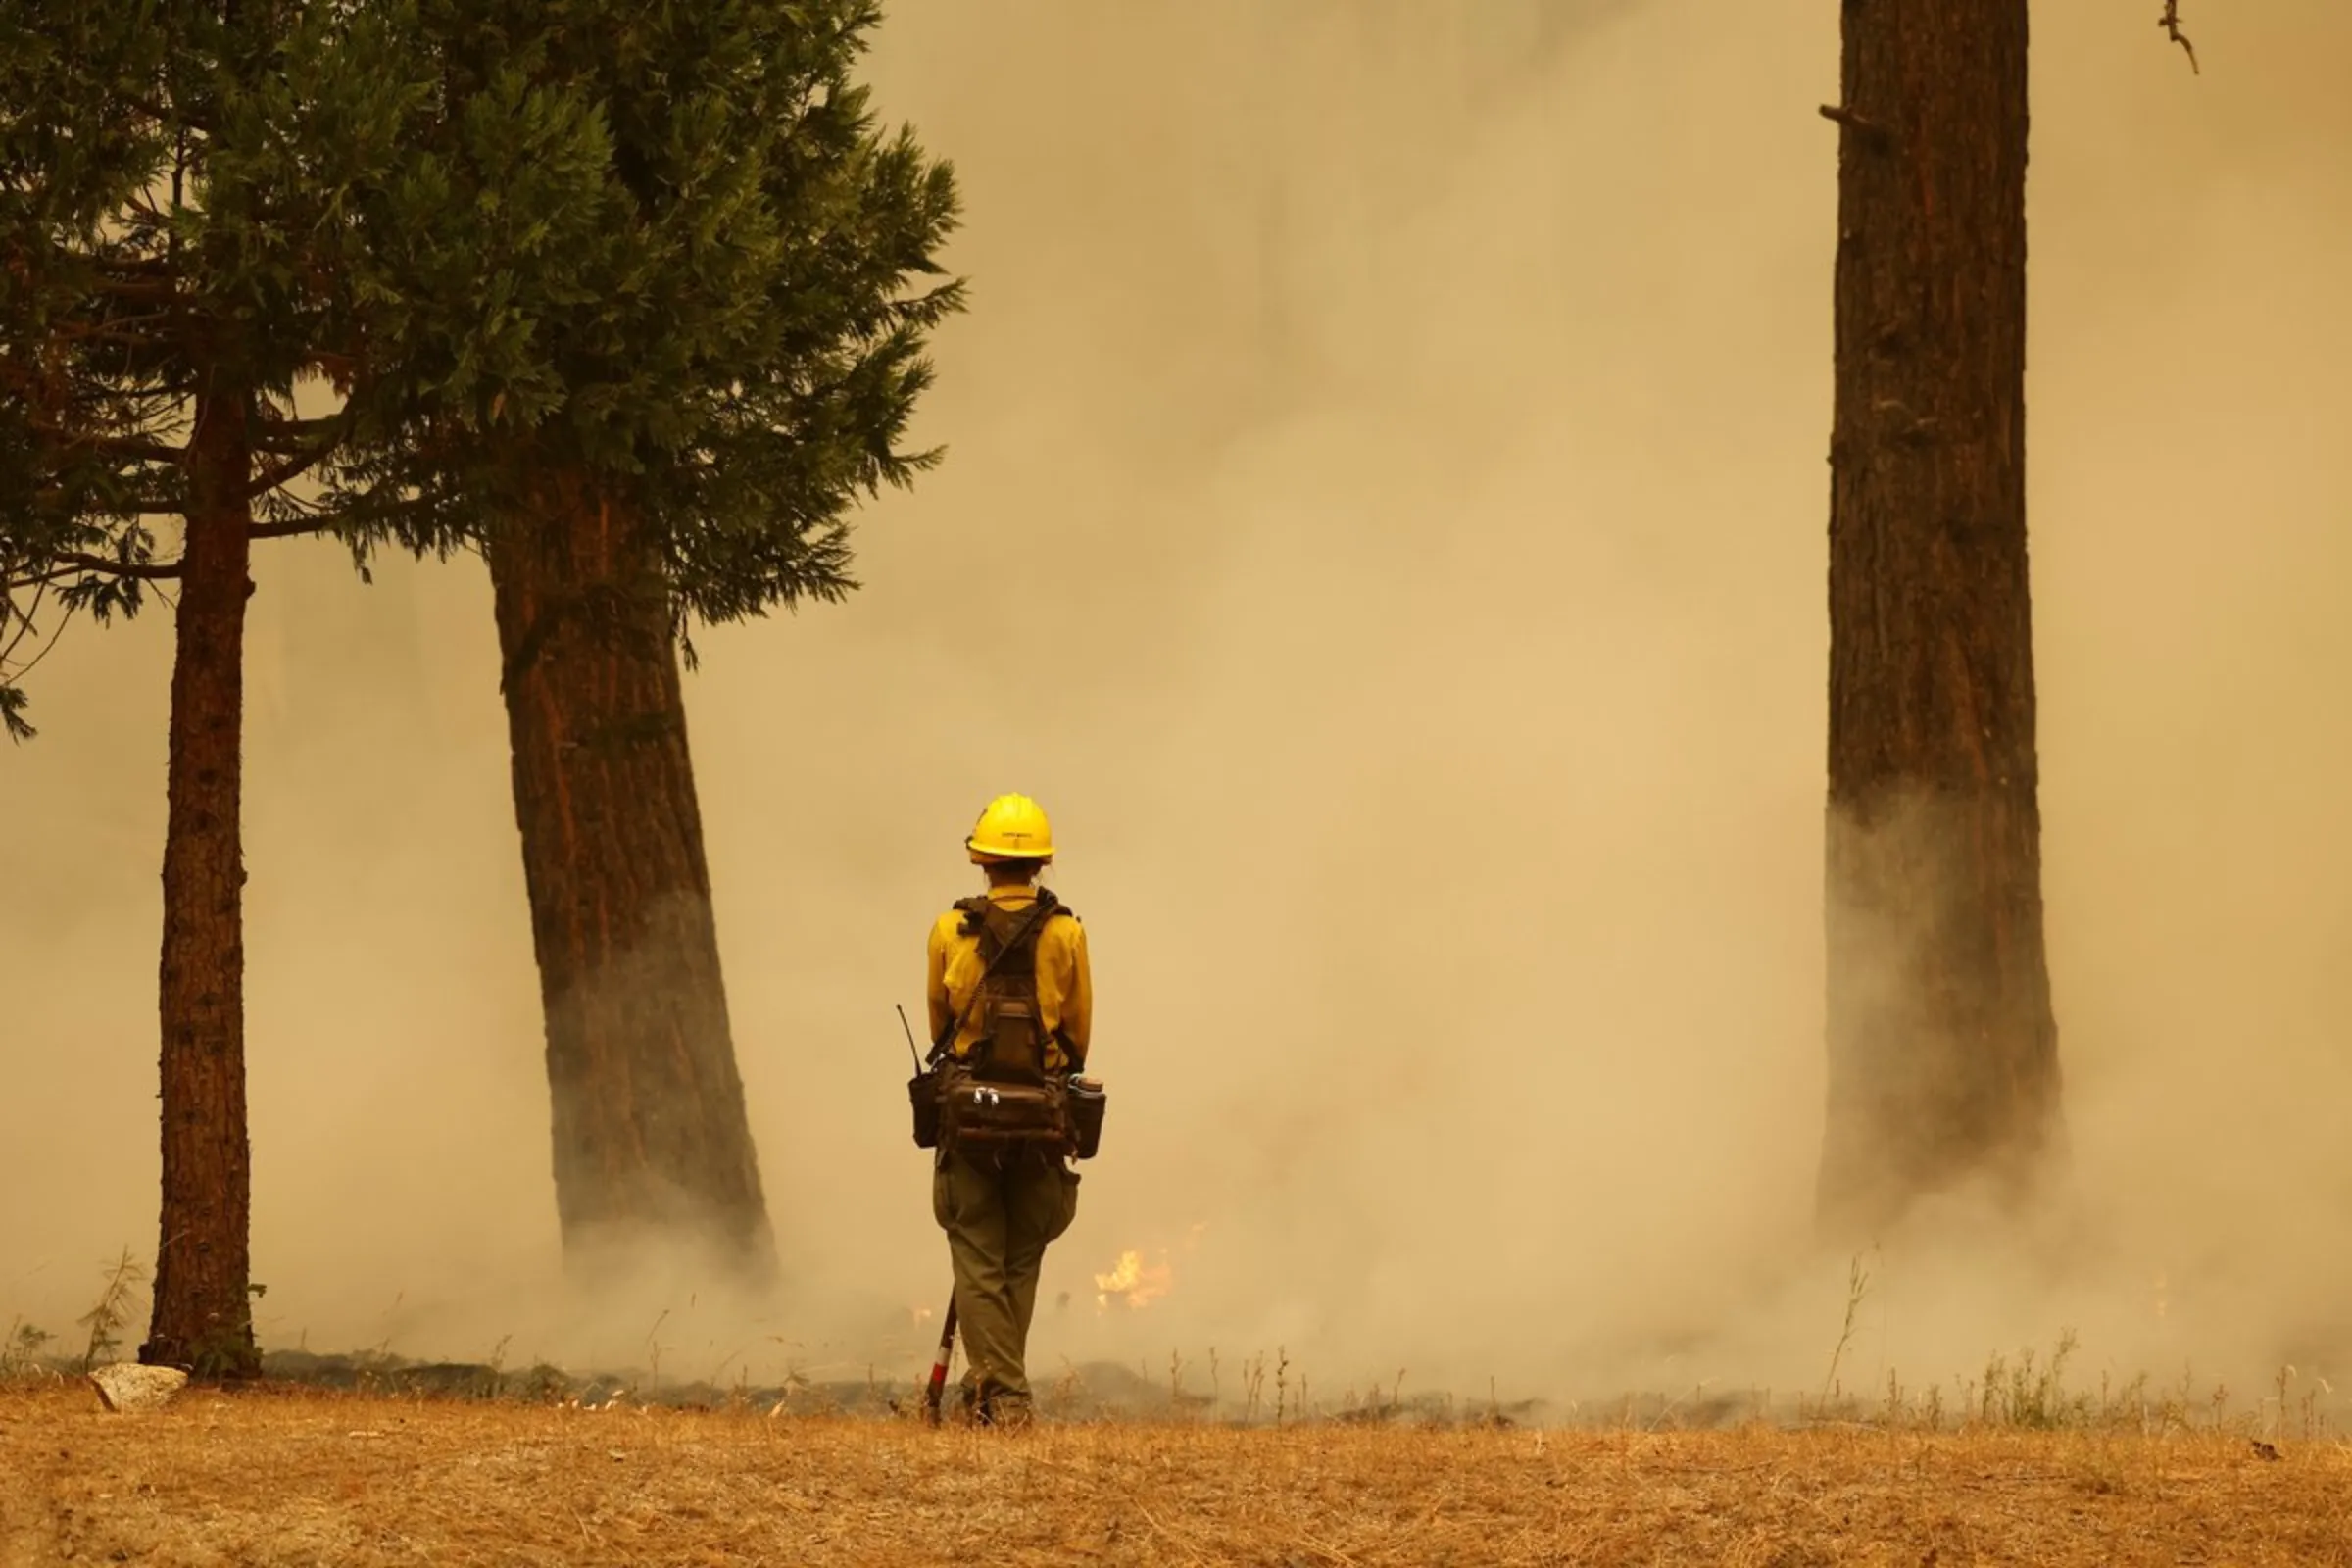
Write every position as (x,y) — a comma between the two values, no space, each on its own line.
(652,1142)
(203,1317)
(1942,1049)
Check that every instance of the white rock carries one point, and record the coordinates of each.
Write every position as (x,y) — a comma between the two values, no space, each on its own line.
(125,1385)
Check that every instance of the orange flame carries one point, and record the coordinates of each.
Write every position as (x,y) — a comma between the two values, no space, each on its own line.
(1134,1281)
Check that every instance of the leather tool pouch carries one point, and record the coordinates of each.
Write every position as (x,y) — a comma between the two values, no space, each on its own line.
(1087,1101)
(1013,1034)
(997,1113)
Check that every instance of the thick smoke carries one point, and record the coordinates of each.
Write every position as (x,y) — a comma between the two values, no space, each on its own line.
(1384,521)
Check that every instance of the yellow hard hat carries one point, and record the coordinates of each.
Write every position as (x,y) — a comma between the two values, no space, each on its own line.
(1013,827)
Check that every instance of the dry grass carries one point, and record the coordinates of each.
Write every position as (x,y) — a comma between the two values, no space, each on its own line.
(282,1478)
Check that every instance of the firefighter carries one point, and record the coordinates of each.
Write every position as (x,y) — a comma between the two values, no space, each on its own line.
(1010,993)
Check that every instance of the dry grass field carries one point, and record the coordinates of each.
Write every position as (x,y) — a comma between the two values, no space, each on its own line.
(284,1477)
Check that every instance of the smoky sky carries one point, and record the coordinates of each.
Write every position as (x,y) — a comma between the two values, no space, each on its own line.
(1382,519)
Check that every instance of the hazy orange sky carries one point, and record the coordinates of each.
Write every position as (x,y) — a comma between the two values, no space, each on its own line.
(1384,523)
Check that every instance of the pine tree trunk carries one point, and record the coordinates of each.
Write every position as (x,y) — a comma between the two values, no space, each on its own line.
(1943,1050)
(652,1142)
(203,1316)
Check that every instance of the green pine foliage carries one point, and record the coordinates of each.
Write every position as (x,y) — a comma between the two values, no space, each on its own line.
(663,250)
(667,247)
(177,189)
(74,153)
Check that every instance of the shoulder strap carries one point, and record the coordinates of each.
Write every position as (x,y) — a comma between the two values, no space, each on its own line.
(973,910)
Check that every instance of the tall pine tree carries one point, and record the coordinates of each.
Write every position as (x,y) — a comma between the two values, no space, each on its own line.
(658,290)
(175,179)
(1943,1048)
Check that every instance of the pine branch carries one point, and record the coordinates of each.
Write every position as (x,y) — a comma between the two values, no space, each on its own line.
(144,290)
(164,114)
(144,205)
(75,564)
(124,330)
(289,530)
(294,466)
(293,436)
(121,448)
(2170,22)
(129,449)
(23,620)
(1867,128)
(153,268)
(35,661)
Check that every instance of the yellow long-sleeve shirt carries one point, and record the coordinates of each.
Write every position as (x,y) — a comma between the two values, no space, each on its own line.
(1065,990)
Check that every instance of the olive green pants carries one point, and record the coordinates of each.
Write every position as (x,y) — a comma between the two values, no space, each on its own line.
(999,1218)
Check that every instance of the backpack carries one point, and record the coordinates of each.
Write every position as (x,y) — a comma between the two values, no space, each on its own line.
(1001,1097)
